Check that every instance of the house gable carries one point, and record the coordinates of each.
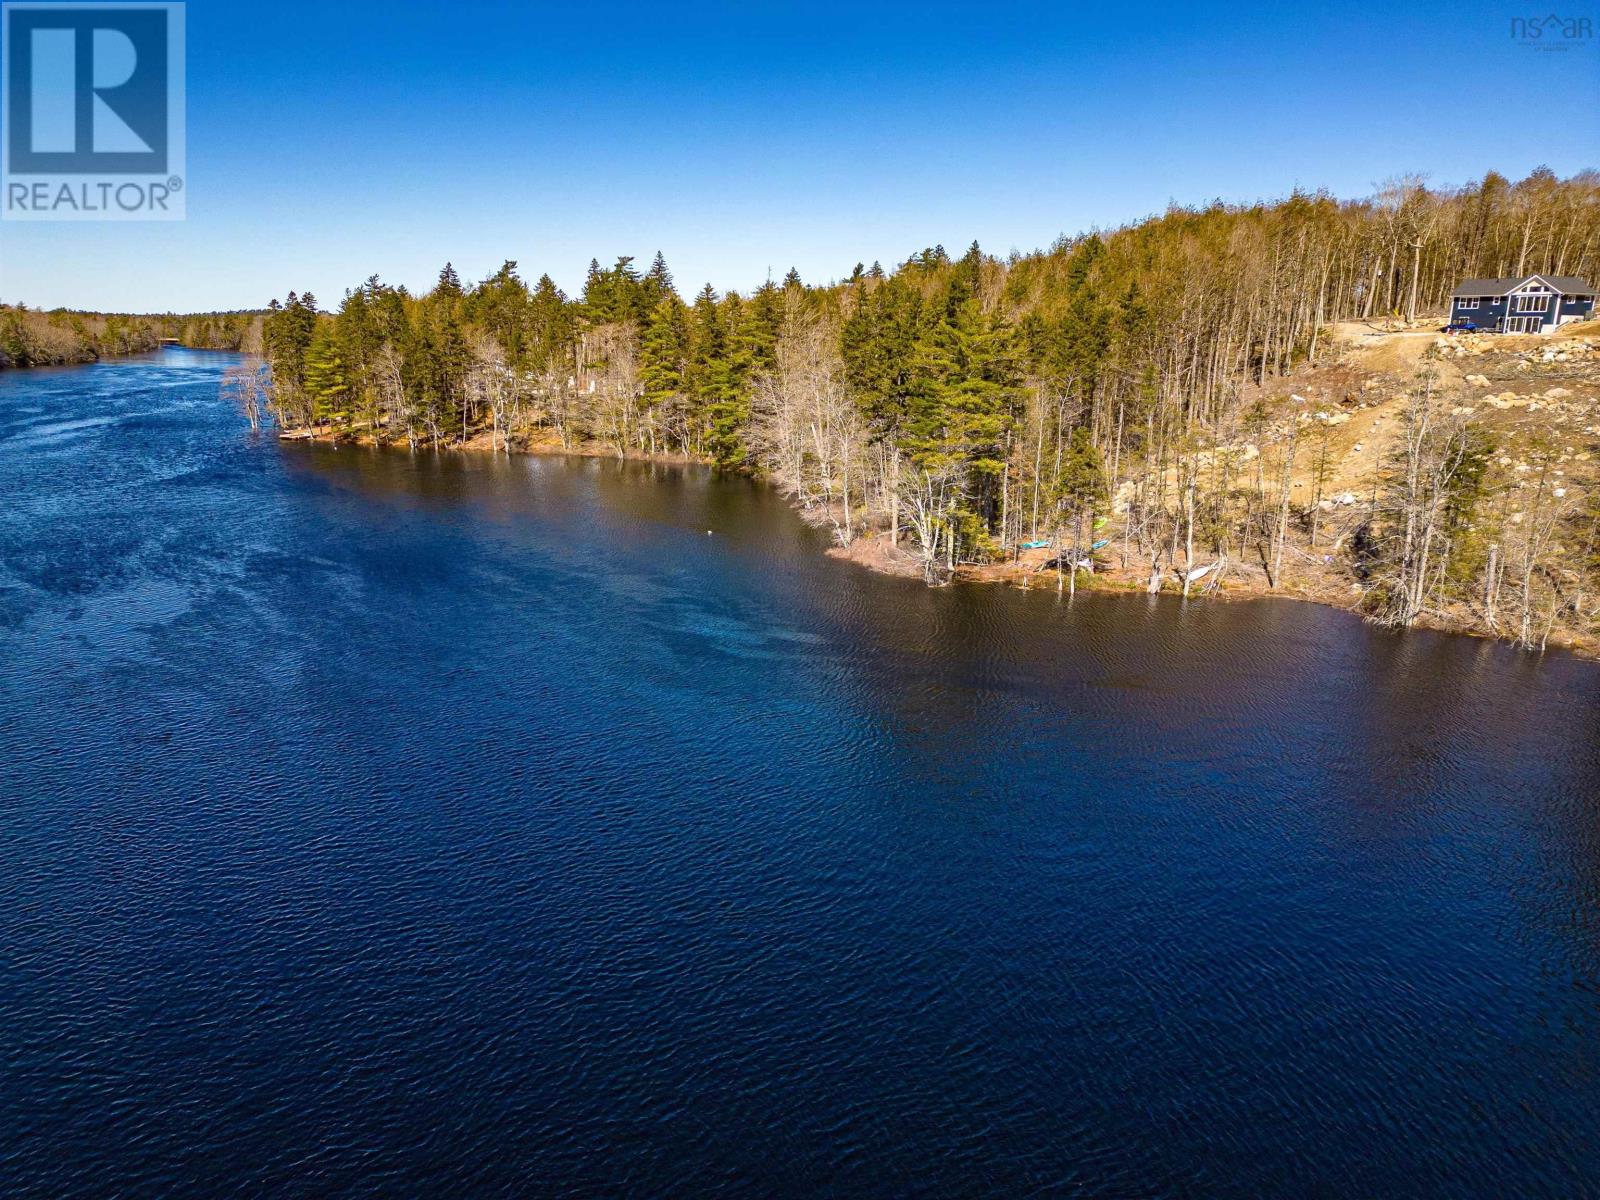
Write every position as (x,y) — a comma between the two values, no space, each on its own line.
(1534,283)
(1567,285)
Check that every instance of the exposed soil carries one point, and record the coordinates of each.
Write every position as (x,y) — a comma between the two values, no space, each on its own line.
(877,552)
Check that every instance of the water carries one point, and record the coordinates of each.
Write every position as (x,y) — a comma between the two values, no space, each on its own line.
(377,824)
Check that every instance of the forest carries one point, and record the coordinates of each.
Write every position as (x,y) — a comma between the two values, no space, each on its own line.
(1121,395)
(33,338)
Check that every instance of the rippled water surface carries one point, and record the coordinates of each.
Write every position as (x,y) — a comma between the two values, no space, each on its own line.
(378,824)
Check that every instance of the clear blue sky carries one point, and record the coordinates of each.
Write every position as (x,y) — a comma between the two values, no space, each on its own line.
(330,141)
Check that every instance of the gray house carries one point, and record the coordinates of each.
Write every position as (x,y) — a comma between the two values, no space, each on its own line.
(1532,304)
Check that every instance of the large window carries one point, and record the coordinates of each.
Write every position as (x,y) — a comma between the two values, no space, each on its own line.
(1467,302)
(1533,302)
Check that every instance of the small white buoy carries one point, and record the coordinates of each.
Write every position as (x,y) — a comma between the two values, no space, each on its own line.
(708,533)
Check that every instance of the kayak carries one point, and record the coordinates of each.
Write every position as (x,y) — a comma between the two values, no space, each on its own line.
(1035,545)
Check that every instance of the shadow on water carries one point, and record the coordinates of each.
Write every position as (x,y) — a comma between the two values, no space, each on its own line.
(379,822)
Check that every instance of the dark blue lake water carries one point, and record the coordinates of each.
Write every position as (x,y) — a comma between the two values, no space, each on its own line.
(379,824)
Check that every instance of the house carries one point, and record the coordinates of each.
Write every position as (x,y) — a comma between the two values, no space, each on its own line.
(1532,304)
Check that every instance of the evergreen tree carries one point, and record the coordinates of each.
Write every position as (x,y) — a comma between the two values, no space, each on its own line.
(551,323)
(746,339)
(359,341)
(327,384)
(762,318)
(658,282)
(712,378)
(663,367)
(965,389)
(877,341)
(500,306)
(286,338)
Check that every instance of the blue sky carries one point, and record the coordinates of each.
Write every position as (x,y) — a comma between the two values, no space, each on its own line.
(331,141)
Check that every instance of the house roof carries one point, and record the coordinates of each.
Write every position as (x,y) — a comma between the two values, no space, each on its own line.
(1567,285)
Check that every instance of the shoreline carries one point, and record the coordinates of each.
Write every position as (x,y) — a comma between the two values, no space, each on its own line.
(870,551)
(94,360)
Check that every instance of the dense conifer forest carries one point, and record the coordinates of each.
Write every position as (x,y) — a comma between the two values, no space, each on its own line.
(1116,395)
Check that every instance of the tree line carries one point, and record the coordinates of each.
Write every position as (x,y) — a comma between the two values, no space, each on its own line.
(962,404)
(57,337)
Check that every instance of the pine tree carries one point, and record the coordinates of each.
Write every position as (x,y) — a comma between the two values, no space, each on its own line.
(359,342)
(286,339)
(500,306)
(664,353)
(712,377)
(551,323)
(969,271)
(327,385)
(877,341)
(658,282)
(964,391)
(762,319)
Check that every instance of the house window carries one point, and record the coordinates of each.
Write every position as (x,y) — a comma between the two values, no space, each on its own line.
(1533,302)
(1467,302)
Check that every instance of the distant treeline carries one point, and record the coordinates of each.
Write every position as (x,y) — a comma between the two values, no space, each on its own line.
(34,338)
(237,331)
(971,400)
